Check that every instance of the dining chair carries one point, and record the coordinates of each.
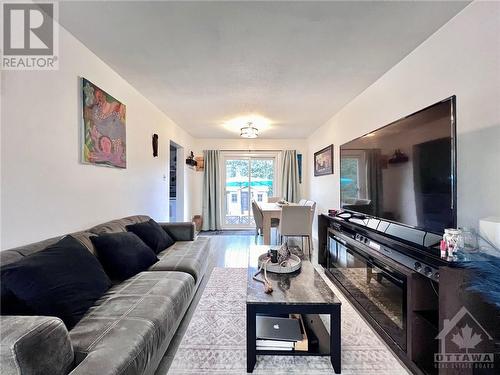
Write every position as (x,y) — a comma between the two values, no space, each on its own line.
(296,222)
(257,216)
(273,199)
(312,206)
(259,219)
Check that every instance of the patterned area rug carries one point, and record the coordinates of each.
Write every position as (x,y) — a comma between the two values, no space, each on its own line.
(215,341)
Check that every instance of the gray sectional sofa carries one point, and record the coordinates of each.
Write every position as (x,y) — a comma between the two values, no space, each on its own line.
(127,331)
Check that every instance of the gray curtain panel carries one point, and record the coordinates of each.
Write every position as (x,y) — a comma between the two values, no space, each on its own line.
(211,191)
(290,177)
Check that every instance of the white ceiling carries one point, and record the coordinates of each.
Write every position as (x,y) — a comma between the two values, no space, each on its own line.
(296,63)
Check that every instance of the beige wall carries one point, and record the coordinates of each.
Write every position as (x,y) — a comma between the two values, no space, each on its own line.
(462,59)
(46,191)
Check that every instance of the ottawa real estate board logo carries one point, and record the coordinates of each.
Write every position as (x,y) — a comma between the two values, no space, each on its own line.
(464,343)
(29,36)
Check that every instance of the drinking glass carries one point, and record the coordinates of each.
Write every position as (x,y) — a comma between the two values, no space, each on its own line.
(469,236)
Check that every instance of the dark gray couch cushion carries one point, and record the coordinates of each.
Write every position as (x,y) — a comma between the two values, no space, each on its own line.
(85,238)
(9,256)
(34,345)
(152,234)
(184,231)
(123,254)
(118,225)
(63,280)
(185,256)
(130,323)
(14,254)
(17,253)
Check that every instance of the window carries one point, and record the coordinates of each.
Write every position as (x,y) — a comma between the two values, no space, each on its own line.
(349,179)
(247,176)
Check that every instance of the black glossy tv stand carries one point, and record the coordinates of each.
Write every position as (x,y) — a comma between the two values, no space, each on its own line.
(412,340)
(429,302)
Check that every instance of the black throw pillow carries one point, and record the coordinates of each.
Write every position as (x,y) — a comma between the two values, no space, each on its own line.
(63,280)
(123,254)
(9,304)
(152,234)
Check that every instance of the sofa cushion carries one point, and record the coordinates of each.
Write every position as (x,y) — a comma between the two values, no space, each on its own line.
(185,256)
(85,238)
(180,231)
(123,254)
(13,255)
(10,256)
(63,280)
(130,323)
(35,345)
(10,304)
(17,253)
(118,225)
(152,234)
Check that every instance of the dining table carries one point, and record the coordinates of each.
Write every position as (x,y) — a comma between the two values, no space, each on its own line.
(269,211)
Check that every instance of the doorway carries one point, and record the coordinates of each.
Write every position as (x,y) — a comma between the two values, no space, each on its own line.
(246,177)
(176,183)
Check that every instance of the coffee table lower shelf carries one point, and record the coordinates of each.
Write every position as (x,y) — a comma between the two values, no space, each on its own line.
(327,344)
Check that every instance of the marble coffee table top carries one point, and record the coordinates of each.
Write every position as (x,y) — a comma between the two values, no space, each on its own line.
(304,286)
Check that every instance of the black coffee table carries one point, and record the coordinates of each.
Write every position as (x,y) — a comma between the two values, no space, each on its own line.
(302,292)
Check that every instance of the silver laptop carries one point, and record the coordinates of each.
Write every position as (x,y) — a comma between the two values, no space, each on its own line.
(274,328)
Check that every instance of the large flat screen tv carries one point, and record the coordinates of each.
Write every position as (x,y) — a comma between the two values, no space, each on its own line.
(405,172)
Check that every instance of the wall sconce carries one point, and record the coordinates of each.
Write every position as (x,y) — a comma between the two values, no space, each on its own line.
(155,145)
(190,160)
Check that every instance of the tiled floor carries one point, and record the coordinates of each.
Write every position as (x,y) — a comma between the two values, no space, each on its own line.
(225,251)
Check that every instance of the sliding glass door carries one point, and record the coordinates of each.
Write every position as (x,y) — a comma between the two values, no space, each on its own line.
(246,177)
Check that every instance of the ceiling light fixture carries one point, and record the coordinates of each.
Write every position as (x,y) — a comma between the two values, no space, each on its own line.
(249,131)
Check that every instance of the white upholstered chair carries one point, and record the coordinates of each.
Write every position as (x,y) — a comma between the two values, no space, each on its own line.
(312,206)
(257,216)
(296,222)
(273,199)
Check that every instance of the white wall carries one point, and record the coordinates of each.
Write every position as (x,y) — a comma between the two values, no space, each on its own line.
(46,191)
(244,145)
(462,59)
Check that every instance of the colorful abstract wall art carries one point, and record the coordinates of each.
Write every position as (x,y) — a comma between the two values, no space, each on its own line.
(104,133)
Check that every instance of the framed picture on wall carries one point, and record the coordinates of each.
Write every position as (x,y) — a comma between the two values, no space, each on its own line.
(323,161)
(103,133)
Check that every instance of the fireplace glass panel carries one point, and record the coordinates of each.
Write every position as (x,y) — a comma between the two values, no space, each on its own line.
(379,290)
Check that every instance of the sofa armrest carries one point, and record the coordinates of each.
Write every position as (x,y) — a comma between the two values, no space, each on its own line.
(34,345)
(180,231)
